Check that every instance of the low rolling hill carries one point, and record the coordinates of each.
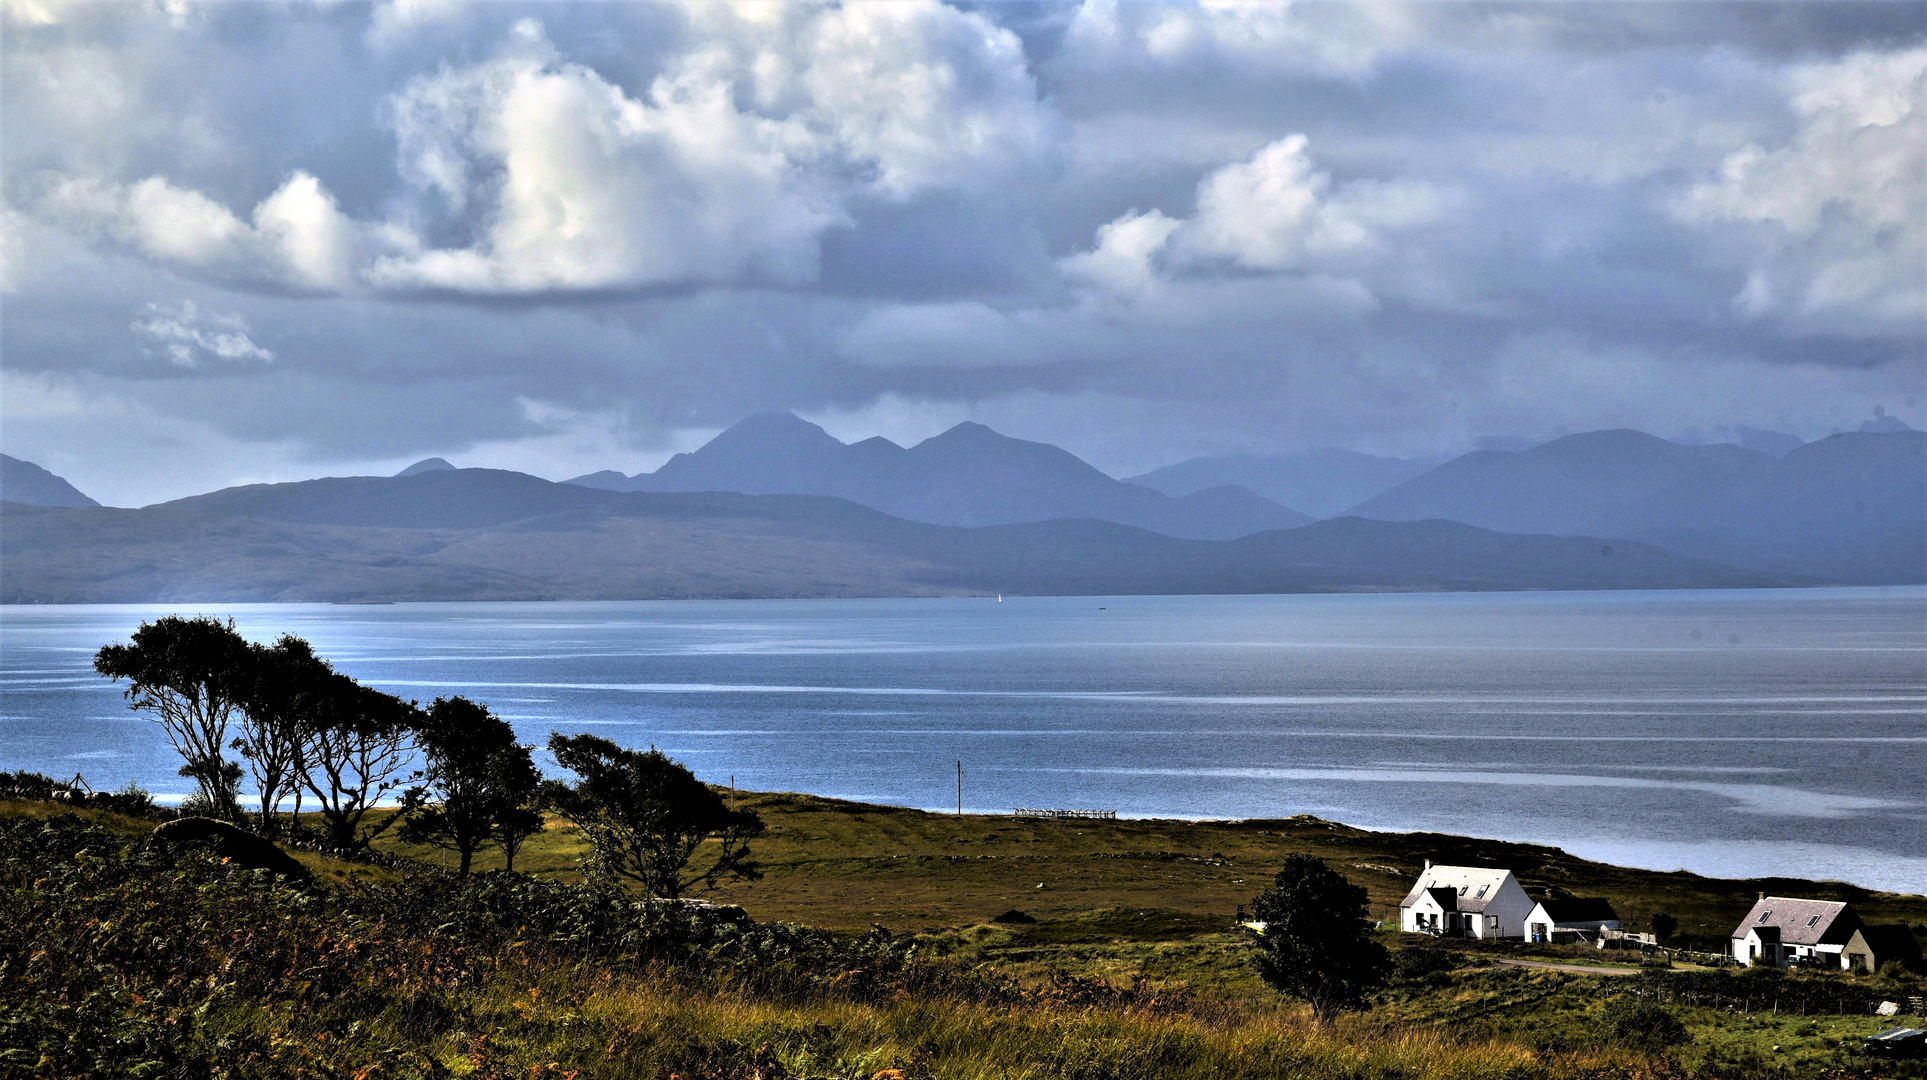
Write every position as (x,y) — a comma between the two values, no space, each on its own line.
(479,534)
(1850,508)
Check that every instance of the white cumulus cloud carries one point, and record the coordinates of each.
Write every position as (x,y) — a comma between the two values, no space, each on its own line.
(729,166)
(298,236)
(1276,211)
(1842,205)
(189,337)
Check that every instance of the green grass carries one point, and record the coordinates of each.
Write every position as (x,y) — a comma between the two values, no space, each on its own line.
(843,864)
(1132,967)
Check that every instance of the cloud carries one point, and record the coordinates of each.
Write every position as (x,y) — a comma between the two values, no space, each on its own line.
(298,238)
(729,167)
(1276,211)
(580,186)
(1841,206)
(1150,230)
(1259,36)
(393,22)
(191,337)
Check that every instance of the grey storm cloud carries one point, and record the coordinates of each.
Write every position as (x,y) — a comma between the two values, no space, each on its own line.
(260,241)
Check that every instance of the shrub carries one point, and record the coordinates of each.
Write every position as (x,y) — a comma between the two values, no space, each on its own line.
(1643,1025)
(1420,962)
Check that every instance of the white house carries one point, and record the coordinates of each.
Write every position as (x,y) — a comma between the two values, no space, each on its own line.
(1781,930)
(1465,901)
(1570,918)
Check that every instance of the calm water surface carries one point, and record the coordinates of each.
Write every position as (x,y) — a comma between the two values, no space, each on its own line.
(1730,733)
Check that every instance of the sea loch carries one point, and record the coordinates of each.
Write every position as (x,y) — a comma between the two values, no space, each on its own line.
(1730,733)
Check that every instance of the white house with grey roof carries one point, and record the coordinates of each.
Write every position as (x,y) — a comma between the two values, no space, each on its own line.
(1465,901)
(1567,919)
(1783,930)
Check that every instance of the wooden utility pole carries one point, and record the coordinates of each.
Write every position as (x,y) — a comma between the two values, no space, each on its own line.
(960,788)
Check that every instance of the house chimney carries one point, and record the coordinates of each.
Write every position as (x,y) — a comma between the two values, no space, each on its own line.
(1428,864)
(1762,894)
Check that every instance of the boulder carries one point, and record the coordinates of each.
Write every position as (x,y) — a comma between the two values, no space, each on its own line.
(236,844)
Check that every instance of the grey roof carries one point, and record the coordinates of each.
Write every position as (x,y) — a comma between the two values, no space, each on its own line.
(1465,883)
(1802,922)
(1578,909)
(1890,941)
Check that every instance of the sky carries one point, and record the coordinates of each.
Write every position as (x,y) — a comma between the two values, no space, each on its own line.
(245,242)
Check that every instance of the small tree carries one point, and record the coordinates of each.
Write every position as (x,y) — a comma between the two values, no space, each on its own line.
(1317,943)
(357,747)
(478,781)
(645,815)
(1664,925)
(519,822)
(192,674)
(287,678)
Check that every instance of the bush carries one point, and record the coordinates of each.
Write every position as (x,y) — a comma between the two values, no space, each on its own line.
(1419,963)
(1644,1025)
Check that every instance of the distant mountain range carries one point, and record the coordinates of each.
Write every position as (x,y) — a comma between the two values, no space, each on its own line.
(969,475)
(479,534)
(1850,507)
(25,482)
(777,507)
(1323,482)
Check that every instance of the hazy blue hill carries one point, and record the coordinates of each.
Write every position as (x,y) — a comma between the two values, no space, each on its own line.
(479,534)
(1321,482)
(969,475)
(439,499)
(25,482)
(1588,483)
(1847,508)
(433,464)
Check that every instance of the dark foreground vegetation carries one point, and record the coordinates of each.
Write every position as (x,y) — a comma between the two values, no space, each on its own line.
(123,956)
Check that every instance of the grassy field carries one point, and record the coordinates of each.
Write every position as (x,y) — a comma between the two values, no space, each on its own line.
(1141,911)
(842,864)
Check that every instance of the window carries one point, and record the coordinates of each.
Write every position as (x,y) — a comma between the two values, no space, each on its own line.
(1482,890)
(1765,915)
(1811,923)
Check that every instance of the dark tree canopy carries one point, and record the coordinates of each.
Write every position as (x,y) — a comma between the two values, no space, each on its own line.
(1317,943)
(1664,925)
(478,782)
(645,816)
(286,683)
(357,748)
(192,675)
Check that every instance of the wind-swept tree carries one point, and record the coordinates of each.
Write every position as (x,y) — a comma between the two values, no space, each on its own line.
(516,824)
(477,783)
(1317,943)
(645,816)
(192,675)
(357,748)
(288,684)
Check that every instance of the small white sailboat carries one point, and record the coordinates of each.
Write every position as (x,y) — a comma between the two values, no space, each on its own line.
(1000,598)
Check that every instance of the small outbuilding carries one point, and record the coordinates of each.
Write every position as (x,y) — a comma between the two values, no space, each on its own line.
(1783,931)
(1465,901)
(1872,946)
(1563,920)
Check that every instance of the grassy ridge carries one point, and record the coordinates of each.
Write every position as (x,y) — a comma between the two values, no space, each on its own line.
(841,864)
(1130,971)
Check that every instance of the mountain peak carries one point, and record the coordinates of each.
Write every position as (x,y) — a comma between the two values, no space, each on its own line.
(433,464)
(25,482)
